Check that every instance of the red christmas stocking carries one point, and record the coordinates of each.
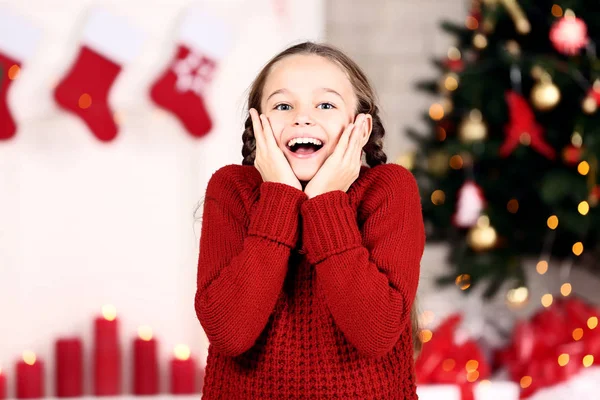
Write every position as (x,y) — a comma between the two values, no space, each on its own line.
(108,44)
(18,39)
(204,40)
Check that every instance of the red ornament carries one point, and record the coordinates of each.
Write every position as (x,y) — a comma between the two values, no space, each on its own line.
(571,154)
(569,35)
(522,122)
(456,65)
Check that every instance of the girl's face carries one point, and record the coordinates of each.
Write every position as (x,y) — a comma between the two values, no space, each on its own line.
(307,97)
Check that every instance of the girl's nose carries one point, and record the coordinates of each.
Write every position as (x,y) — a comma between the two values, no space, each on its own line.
(302,119)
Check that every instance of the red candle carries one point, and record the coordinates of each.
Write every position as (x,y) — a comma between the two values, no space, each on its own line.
(68,367)
(183,372)
(30,377)
(107,354)
(145,364)
(2,385)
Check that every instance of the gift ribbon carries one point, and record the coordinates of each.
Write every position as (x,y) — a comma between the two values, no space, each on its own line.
(551,347)
(442,361)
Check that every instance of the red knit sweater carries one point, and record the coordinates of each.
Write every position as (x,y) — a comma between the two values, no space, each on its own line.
(309,298)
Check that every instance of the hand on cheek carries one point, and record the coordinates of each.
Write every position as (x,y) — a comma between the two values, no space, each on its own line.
(342,167)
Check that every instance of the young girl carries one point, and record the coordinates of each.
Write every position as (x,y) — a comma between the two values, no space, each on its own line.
(309,262)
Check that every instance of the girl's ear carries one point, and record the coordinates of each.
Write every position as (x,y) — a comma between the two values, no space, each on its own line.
(369,126)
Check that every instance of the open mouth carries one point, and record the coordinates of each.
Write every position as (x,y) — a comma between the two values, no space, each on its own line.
(304,146)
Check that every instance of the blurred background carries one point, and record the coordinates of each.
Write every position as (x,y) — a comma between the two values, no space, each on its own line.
(112,122)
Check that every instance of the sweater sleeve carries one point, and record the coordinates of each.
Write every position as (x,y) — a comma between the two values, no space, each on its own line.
(241,273)
(369,278)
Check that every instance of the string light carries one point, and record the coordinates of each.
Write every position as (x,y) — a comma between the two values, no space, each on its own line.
(583,208)
(85,101)
(577,334)
(563,359)
(557,11)
(471,23)
(583,168)
(463,281)
(456,162)
(436,111)
(438,197)
(454,54)
(565,289)
(525,139)
(578,248)
(588,361)
(517,296)
(425,335)
(13,72)
(547,300)
(426,317)
(542,267)
(576,139)
(553,222)
(472,376)
(592,322)
(480,41)
(512,206)
(451,82)
(441,134)
(471,365)
(448,364)
(525,382)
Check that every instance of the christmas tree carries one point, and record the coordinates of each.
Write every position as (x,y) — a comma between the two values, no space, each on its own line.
(508,171)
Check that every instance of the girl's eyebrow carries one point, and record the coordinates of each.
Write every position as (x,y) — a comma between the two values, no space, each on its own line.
(327,90)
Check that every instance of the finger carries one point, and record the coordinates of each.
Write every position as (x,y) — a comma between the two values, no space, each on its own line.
(268,131)
(354,149)
(257,128)
(356,138)
(342,144)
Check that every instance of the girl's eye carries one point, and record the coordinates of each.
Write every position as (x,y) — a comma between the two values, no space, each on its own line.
(282,107)
(326,106)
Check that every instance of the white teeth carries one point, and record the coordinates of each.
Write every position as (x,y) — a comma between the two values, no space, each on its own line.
(304,140)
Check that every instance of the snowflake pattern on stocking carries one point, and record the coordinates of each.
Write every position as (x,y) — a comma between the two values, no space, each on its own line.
(194,73)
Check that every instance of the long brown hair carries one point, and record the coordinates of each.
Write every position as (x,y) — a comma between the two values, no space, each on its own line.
(367,103)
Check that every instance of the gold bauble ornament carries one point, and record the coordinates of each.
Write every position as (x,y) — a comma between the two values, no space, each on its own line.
(472,128)
(437,163)
(545,95)
(480,41)
(482,236)
(589,105)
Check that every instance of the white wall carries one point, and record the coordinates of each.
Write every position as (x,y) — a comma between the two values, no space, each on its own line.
(84,223)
